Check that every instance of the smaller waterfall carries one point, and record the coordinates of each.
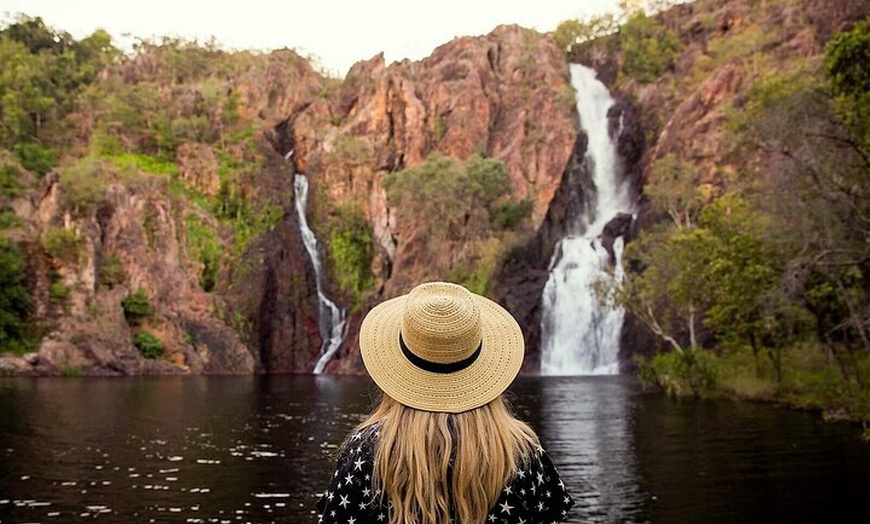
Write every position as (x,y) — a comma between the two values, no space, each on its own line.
(579,336)
(332,319)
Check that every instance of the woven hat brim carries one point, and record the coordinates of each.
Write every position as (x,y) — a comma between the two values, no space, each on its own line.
(489,376)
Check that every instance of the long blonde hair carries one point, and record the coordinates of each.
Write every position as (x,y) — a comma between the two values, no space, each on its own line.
(481,448)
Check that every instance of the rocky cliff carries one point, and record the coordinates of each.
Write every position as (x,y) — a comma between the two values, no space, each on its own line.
(214,246)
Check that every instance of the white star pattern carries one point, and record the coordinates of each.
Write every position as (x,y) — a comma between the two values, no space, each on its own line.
(535,494)
(506,508)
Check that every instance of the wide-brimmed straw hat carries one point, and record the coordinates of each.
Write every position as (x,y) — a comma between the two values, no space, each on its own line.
(441,348)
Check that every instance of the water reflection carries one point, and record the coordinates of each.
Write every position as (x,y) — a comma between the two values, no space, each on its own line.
(585,424)
(258,449)
(170,449)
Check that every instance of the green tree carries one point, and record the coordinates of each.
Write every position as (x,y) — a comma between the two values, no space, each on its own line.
(572,35)
(846,57)
(648,48)
(43,73)
(351,251)
(675,190)
(742,278)
(15,300)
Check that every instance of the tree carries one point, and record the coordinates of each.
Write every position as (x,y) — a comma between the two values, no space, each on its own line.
(648,48)
(15,300)
(572,34)
(675,190)
(846,57)
(741,279)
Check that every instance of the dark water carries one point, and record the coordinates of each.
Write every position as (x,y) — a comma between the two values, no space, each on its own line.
(257,449)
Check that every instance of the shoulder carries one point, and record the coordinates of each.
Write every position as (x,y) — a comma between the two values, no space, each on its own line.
(536,491)
(349,494)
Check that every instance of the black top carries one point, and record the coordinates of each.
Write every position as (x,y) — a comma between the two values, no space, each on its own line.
(534,495)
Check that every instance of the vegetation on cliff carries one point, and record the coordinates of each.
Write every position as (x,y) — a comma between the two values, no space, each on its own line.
(756,274)
(94,141)
(465,210)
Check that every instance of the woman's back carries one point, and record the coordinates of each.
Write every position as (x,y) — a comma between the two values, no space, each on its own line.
(442,447)
(533,493)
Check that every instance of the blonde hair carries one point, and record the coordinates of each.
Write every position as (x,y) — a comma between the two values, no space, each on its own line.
(427,464)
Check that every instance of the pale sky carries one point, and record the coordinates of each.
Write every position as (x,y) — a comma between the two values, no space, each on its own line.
(337,32)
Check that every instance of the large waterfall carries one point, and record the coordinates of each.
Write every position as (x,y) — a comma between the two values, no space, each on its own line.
(332,319)
(580,336)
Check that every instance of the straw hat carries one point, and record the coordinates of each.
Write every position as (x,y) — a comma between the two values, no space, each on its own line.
(441,348)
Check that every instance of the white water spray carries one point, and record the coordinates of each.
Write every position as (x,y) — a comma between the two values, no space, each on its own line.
(580,336)
(332,319)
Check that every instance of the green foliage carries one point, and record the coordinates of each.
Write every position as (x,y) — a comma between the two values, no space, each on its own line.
(58,291)
(674,190)
(648,48)
(466,202)
(351,251)
(572,35)
(742,271)
(508,214)
(351,150)
(690,373)
(35,157)
(16,303)
(148,345)
(83,184)
(62,244)
(846,57)
(144,163)
(66,370)
(112,272)
(10,180)
(137,307)
(428,191)
(44,71)
(205,249)
(456,200)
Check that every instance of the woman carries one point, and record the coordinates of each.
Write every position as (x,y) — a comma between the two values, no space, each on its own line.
(442,446)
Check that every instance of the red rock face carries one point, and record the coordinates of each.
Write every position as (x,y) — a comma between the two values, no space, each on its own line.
(505,95)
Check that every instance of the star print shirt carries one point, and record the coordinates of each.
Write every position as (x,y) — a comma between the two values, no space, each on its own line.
(534,495)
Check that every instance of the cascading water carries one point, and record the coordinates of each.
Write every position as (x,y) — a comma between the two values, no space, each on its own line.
(332,318)
(580,336)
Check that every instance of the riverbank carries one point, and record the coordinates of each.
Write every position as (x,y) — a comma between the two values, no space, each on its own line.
(808,380)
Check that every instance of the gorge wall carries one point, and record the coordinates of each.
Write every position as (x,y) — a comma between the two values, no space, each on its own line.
(223,305)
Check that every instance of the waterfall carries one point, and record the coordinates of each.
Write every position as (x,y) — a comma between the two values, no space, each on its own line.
(332,319)
(579,336)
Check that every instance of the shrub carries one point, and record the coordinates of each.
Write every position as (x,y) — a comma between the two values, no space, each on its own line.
(144,163)
(112,271)
(148,345)
(351,251)
(137,307)
(84,182)
(58,291)
(205,249)
(507,214)
(10,180)
(15,299)
(680,374)
(648,48)
(35,157)
(62,244)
